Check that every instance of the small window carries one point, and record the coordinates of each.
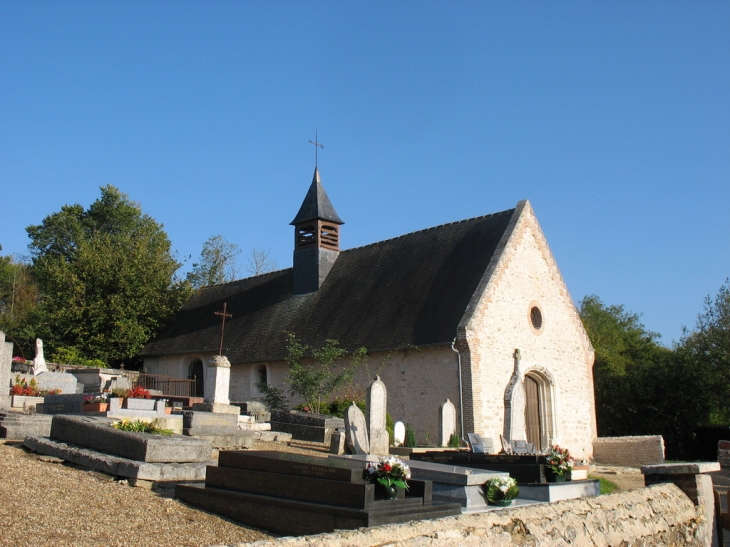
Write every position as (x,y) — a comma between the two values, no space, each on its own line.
(263,376)
(536,317)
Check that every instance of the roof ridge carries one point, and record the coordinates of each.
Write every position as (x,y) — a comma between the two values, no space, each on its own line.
(427,230)
(254,276)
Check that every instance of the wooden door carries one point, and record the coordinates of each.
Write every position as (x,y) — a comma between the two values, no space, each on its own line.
(532,412)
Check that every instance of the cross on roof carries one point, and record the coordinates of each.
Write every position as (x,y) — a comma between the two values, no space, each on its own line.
(317,146)
(223,314)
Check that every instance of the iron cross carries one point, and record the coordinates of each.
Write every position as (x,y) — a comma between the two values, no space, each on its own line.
(223,314)
(317,146)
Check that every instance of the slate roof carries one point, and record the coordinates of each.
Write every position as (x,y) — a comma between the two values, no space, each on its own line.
(316,204)
(410,290)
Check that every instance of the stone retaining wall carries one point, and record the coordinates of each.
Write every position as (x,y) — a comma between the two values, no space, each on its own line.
(658,515)
(629,451)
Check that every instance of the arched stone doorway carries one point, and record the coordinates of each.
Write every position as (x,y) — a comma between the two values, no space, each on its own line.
(540,423)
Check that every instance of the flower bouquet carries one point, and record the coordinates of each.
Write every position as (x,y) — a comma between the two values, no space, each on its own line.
(502,491)
(99,399)
(559,462)
(388,474)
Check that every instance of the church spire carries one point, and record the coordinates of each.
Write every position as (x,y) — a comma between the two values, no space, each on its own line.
(316,204)
(316,238)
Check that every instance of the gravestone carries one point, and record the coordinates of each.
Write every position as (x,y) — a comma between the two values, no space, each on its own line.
(377,399)
(62,404)
(6,363)
(477,446)
(64,381)
(39,363)
(292,494)
(447,422)
(399,433)
(305,426)
(338,442)
(357,432)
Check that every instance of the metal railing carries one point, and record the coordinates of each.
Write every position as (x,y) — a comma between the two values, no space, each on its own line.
(166,384)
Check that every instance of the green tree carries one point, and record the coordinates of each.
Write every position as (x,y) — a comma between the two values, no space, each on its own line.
(316,381)
(707,350)
(641,387)
(18,294)
(106,276)
(217,263)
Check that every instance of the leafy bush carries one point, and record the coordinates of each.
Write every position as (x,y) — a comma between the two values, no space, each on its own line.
(410,439)
(454,441)
(274,398)
(71,356)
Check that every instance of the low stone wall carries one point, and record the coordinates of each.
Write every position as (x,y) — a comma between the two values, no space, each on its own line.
(658,515)
(629,451)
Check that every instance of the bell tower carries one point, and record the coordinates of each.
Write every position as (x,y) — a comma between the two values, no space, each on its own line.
(316,239)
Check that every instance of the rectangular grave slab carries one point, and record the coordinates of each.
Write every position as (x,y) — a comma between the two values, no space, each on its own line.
(306,426)
(96,433)
(62,404)
(196,419)
(525,469)
(557,491)
(116,466)
(16,427)
(293,494)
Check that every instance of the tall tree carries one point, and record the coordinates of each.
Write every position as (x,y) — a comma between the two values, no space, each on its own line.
(106,276)
(641,387)
(707,350)
(217,263)
(18,294)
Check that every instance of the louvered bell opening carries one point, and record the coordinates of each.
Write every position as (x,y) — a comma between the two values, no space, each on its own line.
(305,236)
(329,236)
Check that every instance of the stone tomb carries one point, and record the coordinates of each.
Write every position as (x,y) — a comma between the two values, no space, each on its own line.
(92,442)
(526,469)
(306,426)
(292,494)
(453,484)
(221,429)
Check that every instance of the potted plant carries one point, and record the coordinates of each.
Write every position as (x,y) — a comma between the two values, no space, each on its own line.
(388,475)
(558,464)
(138,398)
(501,491)
(95,404)
(168,406)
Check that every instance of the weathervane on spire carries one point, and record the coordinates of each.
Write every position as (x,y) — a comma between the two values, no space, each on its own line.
(317,146)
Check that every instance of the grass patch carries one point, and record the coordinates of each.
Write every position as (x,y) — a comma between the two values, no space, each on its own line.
(607,487)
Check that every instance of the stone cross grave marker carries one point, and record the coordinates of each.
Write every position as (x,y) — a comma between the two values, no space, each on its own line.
(377,398)
(399,433)
(356,430)
(447,422)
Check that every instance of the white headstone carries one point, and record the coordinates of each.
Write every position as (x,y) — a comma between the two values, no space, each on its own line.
(39,363)
(399,433)
(217,380)
(377,401)
(447,422)
(356,430)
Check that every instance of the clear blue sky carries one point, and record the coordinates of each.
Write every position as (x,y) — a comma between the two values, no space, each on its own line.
(612,118)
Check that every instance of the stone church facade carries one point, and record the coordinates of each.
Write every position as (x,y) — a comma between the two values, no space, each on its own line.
(473,311)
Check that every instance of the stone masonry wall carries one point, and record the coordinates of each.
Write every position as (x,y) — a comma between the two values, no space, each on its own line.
(558,352)
(658,515)
(629,451)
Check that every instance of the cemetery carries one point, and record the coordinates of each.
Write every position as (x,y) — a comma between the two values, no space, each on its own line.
(360,485)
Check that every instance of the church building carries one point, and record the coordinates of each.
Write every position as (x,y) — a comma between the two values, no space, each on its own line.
(474,311)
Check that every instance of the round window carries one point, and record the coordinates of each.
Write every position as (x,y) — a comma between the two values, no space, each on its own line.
(536,317)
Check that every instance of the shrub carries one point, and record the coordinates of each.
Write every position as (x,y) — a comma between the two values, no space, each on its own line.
(274,398)
(410,439)
(454,441)
(72,356)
